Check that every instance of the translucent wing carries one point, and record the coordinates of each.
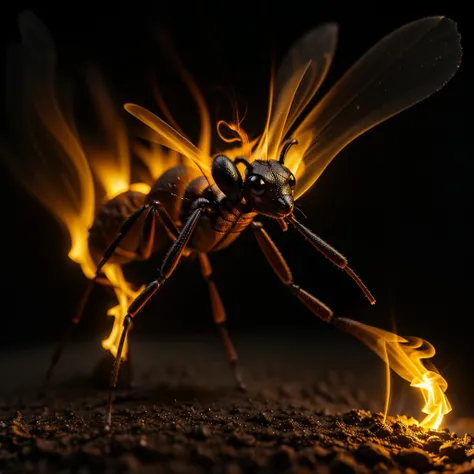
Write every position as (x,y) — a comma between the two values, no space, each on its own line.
(402,69)
(297,80)
(172,139)
(46,156)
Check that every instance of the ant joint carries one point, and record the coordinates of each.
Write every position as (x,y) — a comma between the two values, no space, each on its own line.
(295,289)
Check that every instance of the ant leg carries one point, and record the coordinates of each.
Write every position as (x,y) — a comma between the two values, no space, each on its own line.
(218,312)
(152,208)
(148,235)
(331,254)
(168,266)
(281,268)
(65,337)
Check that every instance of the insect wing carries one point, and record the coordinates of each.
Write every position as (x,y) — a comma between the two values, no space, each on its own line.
(167,136)
(402,69)
(297,80)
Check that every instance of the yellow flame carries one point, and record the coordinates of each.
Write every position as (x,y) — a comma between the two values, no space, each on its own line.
(73,174)
(405,357)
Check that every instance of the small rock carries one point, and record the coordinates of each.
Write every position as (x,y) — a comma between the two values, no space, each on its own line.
(371,454)
(443,434)
(406,441)
(454,451)
(415,458)
(354,417)
(467,440)
(381,429)
(433,443)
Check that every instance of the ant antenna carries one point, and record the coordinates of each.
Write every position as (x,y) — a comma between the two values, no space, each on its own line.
(243,160)
(287,145)
(302,213)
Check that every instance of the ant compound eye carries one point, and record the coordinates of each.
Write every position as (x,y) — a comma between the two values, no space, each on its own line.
(292,181)
(256,184)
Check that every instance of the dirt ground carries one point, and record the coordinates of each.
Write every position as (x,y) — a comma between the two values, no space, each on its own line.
(184,415)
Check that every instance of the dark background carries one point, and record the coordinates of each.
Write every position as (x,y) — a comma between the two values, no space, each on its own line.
(397,202)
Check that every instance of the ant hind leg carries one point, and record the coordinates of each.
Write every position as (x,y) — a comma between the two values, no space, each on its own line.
(219,314)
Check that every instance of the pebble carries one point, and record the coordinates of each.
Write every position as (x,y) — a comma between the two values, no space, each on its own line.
(433,443)
(371,454)
(415,458)
(454,451)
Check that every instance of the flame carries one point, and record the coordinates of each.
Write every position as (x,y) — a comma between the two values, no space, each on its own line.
(70,172)
(405,357)
(110,165)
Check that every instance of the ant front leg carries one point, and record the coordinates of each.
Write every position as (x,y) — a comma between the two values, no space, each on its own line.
(219,315)
(281,268)
(331,254)
(153,209)
(168,266)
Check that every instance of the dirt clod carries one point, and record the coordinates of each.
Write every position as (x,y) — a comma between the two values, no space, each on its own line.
(454,451)
(415,458)
(371,454)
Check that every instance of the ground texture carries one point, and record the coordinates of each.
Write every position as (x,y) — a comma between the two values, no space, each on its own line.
(188,419)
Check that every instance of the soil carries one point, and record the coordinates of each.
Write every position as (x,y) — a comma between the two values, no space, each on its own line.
(191,420)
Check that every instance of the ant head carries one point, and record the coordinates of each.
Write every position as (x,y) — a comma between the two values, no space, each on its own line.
(268,186)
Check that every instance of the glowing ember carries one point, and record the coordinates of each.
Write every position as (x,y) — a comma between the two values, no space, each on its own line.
(405,357)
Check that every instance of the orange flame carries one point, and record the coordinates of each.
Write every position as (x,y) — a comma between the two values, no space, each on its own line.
(68,171)
(405,357)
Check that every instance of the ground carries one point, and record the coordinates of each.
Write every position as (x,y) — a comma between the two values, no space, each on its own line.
(301,414)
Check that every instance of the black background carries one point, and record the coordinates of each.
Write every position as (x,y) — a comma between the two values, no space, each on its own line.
(397,202)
